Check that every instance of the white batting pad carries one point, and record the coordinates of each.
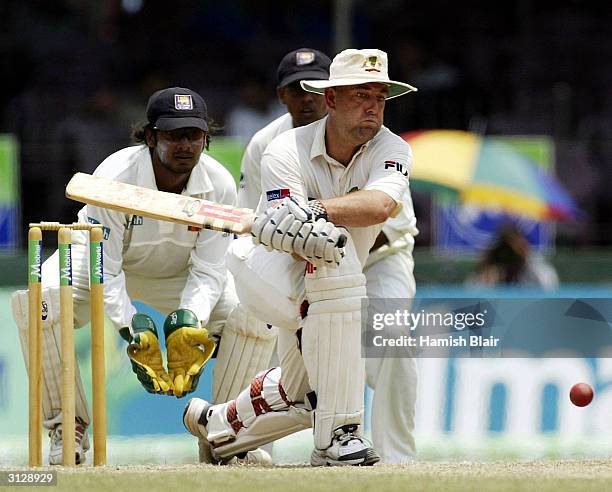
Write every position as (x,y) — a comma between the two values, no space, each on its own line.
(246,349)
(331,344)
(51,365)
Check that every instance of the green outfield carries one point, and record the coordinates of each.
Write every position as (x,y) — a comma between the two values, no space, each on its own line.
(557,476)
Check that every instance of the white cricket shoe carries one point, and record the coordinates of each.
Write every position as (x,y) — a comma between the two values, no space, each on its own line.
(81,444)
(346,448)
(194,417)
(195,421)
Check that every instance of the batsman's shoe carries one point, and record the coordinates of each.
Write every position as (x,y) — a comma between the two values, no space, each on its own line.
(256,457)
(346,448)
(81,444)
(194,417)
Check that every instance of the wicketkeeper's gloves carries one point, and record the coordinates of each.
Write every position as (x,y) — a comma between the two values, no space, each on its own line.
(188,348)
(145,355)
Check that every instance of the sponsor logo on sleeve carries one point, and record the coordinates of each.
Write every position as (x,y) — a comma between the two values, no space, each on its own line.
(278,194)
(397,166)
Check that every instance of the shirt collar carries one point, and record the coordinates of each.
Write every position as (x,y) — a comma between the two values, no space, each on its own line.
(199,182)
(145,176)
(318,143)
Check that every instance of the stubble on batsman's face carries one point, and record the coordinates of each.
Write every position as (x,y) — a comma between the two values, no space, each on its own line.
(178,151)
(358,110)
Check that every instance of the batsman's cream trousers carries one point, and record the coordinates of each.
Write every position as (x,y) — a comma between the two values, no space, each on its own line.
(271,285)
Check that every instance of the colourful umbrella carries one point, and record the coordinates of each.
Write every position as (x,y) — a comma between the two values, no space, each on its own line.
(487,173)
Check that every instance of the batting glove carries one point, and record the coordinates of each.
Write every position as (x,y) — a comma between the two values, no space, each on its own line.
(299,229)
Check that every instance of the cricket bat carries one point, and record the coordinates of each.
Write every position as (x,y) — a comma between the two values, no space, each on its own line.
(131,199)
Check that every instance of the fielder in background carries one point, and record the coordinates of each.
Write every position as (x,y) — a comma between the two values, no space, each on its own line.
(351,171)
(389,267)
(303,108)
(178,271)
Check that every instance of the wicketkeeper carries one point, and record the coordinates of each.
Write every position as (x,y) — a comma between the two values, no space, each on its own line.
(178,271)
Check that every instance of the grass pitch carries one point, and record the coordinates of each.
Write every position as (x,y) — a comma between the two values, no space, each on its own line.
(539,476)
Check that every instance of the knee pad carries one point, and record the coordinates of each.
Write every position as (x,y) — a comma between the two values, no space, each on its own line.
(260,414)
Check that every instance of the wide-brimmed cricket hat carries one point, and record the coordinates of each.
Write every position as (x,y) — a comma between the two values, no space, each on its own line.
(354,67)
(177,107)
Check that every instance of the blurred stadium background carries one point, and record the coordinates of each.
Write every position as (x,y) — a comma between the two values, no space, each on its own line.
(535,75)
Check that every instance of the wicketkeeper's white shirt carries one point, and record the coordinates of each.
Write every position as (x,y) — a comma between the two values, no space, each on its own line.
(156,251)
(296,164)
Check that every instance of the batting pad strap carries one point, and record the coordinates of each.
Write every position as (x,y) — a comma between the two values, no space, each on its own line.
(337,306)
(321,285)
(219,427)
(335,294)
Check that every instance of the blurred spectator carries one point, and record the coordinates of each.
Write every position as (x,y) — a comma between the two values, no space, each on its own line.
(511,261)
(84,139)
(253,110)
(439,83)
(512,68)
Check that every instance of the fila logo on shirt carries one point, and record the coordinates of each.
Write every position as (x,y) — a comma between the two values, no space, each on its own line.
(397,165)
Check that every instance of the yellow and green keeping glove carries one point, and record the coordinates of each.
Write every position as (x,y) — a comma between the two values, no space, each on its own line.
(188,348)
(145,355)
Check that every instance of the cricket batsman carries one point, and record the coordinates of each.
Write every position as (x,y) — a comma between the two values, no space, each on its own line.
(388,269)
(344,170)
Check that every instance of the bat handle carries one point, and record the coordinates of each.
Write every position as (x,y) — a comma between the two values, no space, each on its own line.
(246,224)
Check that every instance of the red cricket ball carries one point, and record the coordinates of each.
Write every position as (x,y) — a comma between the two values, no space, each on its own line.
(581,394)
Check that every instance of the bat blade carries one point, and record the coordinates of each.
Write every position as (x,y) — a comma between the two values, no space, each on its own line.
(131,199)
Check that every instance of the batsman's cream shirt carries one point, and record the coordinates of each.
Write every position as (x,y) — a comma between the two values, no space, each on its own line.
(296,164)
(155,251)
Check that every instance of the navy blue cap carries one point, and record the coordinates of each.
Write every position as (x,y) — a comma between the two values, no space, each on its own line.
(177,107)
(303,64)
